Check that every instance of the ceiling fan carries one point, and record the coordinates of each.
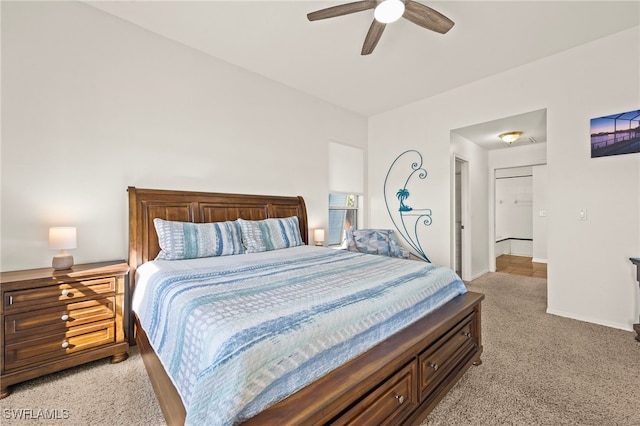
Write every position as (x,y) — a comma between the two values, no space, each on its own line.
(387,11)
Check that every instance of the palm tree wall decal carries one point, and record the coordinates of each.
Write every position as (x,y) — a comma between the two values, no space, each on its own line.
(406,219)
(402,195)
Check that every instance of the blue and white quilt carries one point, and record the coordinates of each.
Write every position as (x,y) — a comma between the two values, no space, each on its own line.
(237,334)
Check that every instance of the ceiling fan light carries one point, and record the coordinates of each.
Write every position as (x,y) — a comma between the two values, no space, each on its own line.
(389,11)
(510,137)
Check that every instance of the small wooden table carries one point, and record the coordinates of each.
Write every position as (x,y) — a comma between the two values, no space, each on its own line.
(636,261)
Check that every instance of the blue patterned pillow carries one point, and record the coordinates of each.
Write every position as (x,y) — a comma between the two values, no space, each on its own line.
(186,240)
(372,241)
(395,249)
(270,234)
(375,241)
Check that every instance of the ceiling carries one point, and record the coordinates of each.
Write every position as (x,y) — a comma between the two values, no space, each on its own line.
(322,58)
(533,126)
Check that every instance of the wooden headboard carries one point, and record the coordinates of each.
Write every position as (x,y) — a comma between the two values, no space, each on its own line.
(199,207)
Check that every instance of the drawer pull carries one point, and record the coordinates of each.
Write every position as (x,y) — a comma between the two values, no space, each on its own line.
(434,366)
(467,335)
(400,399)
(64,317)
(65,292)
(65,344)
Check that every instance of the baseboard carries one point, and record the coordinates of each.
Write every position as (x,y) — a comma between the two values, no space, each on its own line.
(537,260)
(513,239)
(479,274)
(591,320)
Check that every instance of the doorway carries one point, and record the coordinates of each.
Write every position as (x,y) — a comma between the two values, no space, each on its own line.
(520,234)
(481,146)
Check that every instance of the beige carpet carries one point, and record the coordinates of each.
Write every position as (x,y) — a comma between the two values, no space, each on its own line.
(537,369)
(98,393)
(541,369)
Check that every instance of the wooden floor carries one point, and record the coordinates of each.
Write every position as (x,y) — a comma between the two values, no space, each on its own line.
(520,265)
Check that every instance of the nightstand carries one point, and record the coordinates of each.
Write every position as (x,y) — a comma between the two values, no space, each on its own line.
(52,320)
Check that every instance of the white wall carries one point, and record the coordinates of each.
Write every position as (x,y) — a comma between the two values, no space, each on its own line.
(540,213)
(514,207)
(92,104)
(590,276)
(593,279)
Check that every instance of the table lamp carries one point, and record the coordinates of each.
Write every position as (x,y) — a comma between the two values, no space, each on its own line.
(62,238)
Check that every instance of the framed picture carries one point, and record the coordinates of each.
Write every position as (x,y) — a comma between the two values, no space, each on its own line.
(615,134)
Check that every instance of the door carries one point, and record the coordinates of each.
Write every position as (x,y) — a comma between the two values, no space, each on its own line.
(462,241)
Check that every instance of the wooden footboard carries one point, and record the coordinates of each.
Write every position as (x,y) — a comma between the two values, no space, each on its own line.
(399,381)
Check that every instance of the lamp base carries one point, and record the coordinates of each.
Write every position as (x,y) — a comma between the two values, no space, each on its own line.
(62,261)
(319,243)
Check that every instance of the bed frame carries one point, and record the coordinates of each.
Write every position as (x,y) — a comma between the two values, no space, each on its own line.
(398,381)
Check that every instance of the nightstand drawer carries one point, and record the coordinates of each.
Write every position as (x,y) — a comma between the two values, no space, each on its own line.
(57,345)
(57,319)
(59,293)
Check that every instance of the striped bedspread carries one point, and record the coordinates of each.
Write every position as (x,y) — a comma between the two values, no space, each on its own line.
(237,334)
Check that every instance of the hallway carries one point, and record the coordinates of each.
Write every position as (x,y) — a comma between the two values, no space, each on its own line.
(520,265)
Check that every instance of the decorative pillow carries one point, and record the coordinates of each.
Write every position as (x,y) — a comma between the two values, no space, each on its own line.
(270,234)
(186,240)
(395,249)
(372,241)
(375,241)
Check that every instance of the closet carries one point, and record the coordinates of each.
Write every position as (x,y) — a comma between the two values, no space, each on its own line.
(514,211)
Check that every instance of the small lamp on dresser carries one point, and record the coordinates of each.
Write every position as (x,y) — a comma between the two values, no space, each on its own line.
(62,238)
(318,237)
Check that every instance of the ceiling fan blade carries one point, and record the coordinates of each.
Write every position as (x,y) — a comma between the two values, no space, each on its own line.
(343,9)
(426,17)
(373,36)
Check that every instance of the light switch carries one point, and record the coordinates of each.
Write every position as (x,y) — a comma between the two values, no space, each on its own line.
(582,214)
(542,213)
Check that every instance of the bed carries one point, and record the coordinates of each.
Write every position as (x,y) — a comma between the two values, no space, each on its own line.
(391,372)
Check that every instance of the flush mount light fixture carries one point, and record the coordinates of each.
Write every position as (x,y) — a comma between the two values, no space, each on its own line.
(389,11)
(510,137)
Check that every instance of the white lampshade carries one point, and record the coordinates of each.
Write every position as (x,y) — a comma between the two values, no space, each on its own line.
(389,11)
(62,237)
(318,236)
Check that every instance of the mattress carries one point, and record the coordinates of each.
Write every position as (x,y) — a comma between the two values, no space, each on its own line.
(236,334)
